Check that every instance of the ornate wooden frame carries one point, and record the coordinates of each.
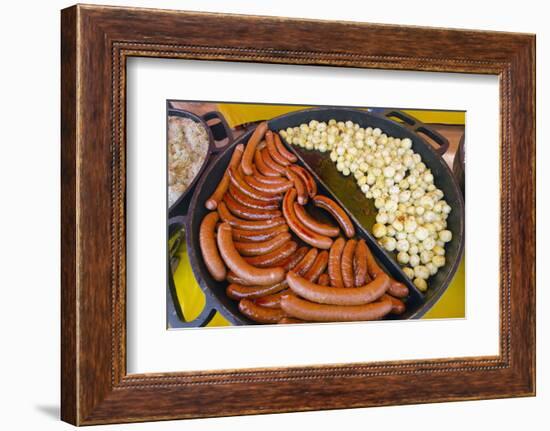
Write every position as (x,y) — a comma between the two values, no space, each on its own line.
(96,41)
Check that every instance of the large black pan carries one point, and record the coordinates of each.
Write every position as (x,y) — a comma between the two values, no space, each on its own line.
(346,192)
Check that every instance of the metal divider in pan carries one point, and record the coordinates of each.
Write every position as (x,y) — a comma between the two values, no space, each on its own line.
(417,304)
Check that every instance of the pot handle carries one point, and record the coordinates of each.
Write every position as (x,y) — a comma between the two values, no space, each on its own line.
(220,130)
(174,311)
(417,127)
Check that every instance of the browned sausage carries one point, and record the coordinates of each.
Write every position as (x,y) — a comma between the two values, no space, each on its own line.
(324,280)
(306,310)
(337,212)
(253,141)
(307,178)
(398,306)
(240,288)
(235,279)
(239,223)
(237,264)
(290,321)
(271,301)
(240,291)
(248,213)
(307,262)
(238,182)
(293,260)
(260,314)
(250,202)
(267,188)
(372,266)
(263,247)
(337,295)
(395,288)
(314,225)
(243,289)
(209,249)
(282,149)
(304,233)
(221,189)
(347,263)
(270,163)
(243,235)
(334,267)
(275,257)
(301,190)
(273,151)
(360,263)
(268,180)
(262,167)
(312,274)
(318,267)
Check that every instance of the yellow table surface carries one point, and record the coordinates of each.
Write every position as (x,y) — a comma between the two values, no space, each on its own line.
(242,113)
(189,295)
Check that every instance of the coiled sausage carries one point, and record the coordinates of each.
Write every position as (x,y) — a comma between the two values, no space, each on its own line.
(253,141)
(247,213)
(239,223)
(260,314)
(307,262)
(301,190)
(212,202)
(318,267)
(307,178)
(291,321)
(250,202)
(306,310)
(398,306)
(238,182)
(237,264)
(273,151)
(273,189)
(270,163)
(314,225)
(243,235)
(324,280)
(347,263)
(240,291)
(312,275)
(209,249)
(293,260)
(282,149)
(337,212)
(262,167)
(268,180)
(360,263)
(334,267)
(275,257)
(395,288)
(271,301)
(304,233)
(337,295)
(263,247)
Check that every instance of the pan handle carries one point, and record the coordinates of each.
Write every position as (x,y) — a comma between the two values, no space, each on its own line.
(174,310)
(417,127)
(220,129)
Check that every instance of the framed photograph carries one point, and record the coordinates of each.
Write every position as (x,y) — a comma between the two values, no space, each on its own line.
(330,222)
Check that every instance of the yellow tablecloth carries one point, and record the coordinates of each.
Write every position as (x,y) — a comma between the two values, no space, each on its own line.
(189,294)
(242,113)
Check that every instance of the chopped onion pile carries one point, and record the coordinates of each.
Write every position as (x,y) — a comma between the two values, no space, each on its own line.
(412,215)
